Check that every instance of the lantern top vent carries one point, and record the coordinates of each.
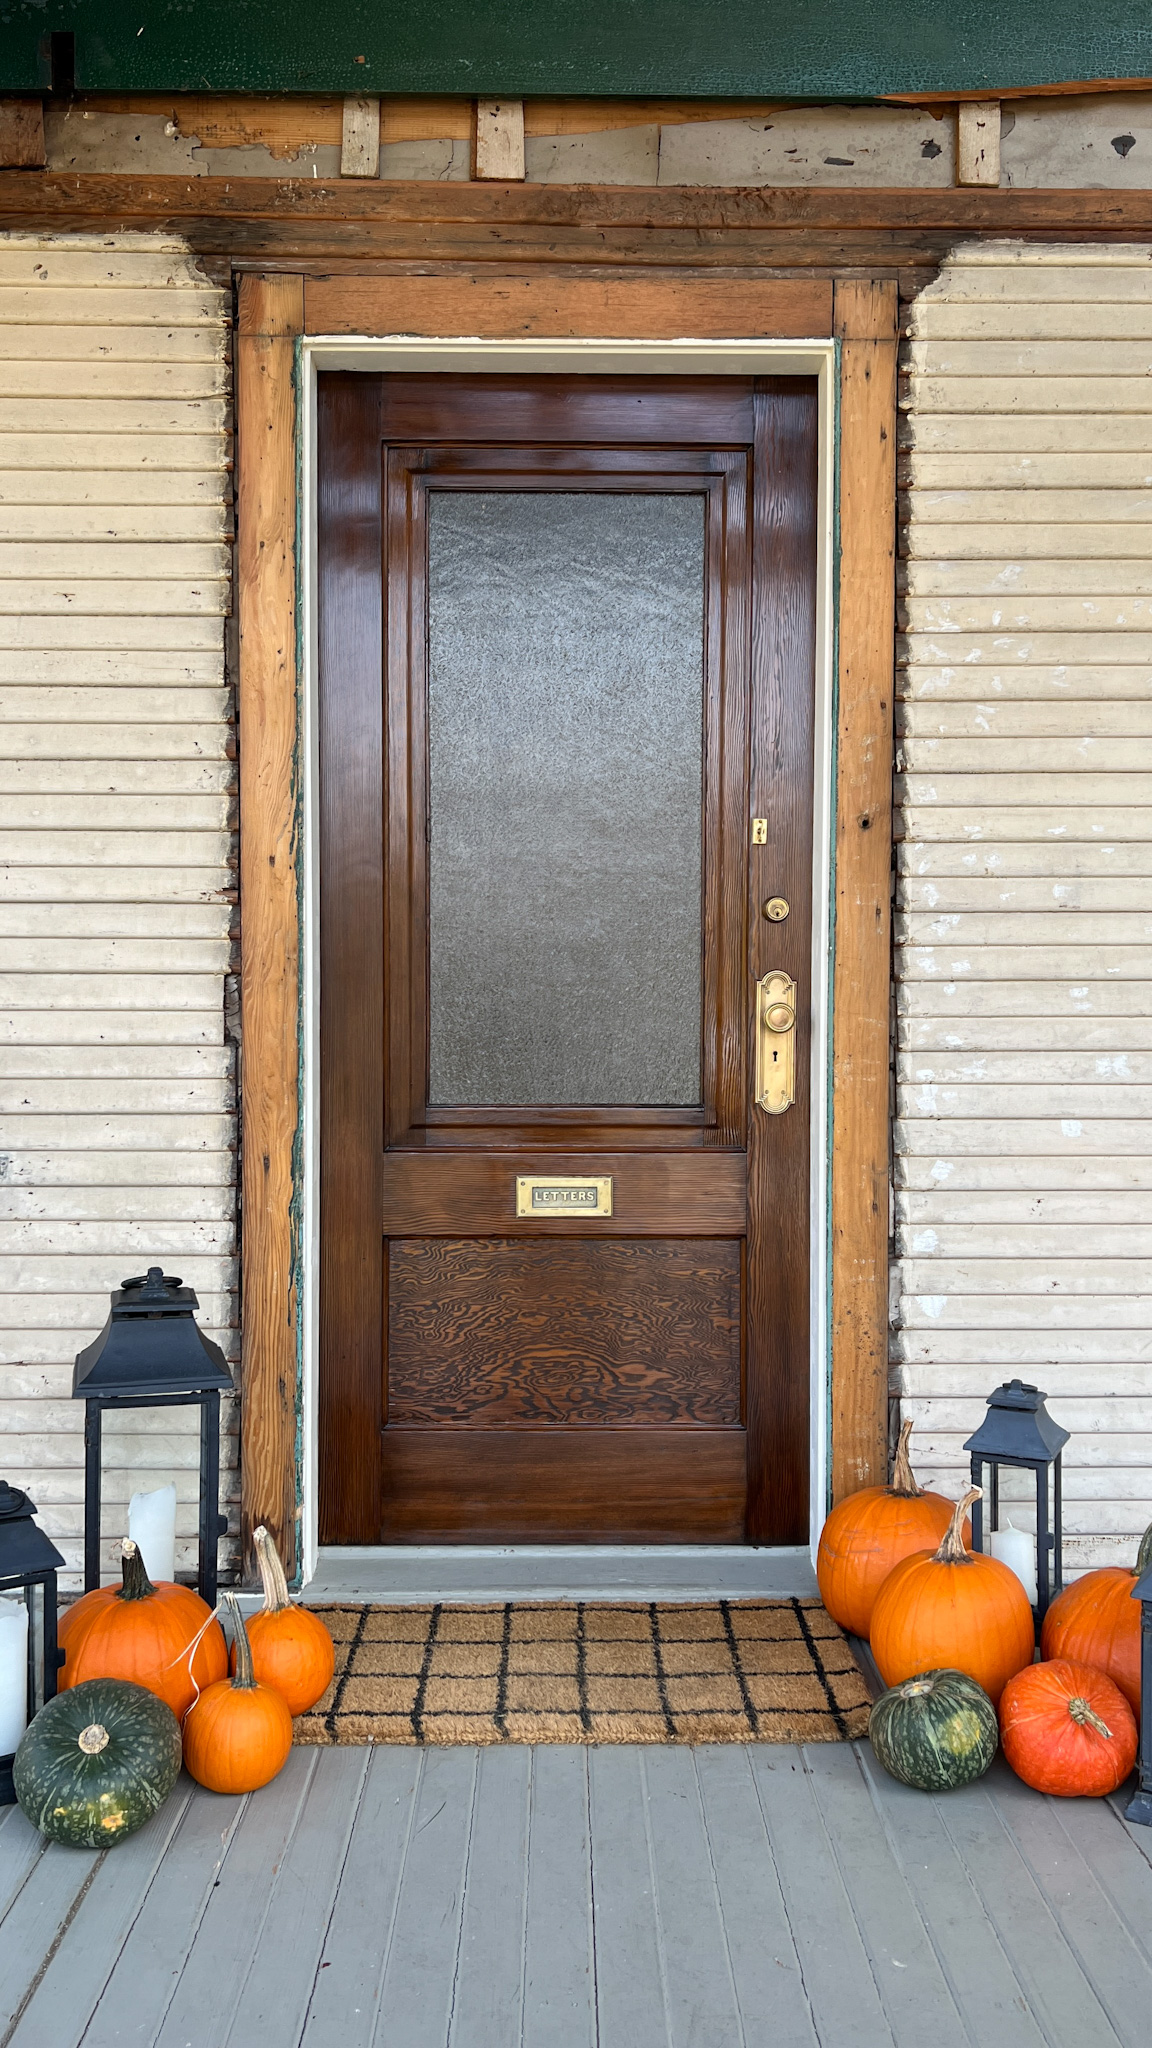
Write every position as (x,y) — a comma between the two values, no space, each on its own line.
(25,1551)
(1018,1429)
(150,1345)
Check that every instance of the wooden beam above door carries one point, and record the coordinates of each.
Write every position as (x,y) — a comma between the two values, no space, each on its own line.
(654,308)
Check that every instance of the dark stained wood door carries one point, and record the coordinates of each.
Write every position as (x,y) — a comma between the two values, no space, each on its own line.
(566,653)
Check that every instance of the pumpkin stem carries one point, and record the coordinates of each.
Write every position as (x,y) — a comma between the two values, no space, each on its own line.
(93,1739)
(245,1678)
(903,1480)
(271,1572)
(952,1549)
(1144,1554)
(1083,1715)
(137,1585)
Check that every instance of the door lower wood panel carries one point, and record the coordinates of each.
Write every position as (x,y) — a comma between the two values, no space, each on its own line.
(597,1485)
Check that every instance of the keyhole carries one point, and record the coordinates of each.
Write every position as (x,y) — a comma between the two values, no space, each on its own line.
(775,1055)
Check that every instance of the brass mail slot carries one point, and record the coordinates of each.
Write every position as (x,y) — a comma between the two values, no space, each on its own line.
(564,1194)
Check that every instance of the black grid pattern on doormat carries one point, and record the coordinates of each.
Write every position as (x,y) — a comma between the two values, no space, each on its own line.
(717,1671)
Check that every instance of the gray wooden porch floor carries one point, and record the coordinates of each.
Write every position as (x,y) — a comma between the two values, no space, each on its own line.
(659,1898)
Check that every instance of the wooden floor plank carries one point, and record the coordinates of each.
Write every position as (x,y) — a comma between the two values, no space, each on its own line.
(490,1980)
(147,1971)
(416,1996)
(273,2005)
(630,1990)
(559,1980)
(702,2008)
(1055,1987)
(769,1982)
(346,1998)
(971,1955)
(21,1847)
(70,1988)
(36,1919)
(913,1988)
(1118,1967)
(845,2001)
(232,1928)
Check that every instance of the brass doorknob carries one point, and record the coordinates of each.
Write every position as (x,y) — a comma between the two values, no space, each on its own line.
(779,1016)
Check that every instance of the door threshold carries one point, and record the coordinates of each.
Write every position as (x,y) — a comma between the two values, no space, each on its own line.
(419,1575)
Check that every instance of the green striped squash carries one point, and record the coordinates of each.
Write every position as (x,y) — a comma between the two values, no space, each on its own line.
(96,1762)
(935,1731)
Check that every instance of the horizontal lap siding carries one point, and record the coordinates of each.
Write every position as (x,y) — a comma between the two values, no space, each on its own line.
(1023,1142)
(117,853)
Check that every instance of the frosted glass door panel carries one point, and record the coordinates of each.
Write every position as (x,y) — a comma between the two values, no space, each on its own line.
(565,717)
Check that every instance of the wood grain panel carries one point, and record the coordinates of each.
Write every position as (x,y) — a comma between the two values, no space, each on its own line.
(572,412)
(866,319)
(598,1485)
(458,1194)
(515,1334)
(271,315)
(661,308)
(351,955)
(783,682)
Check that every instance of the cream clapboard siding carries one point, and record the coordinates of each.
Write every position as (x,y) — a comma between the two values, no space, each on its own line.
(1023,1151)
(117,1128)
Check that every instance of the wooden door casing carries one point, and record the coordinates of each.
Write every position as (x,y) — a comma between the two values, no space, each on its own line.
(392,1166)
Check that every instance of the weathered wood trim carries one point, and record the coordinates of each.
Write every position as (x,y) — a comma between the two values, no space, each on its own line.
(52,199)
(866,323)
(654,308)
(271,315)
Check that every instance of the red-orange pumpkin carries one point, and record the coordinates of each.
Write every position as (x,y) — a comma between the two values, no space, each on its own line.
(953,1608)
(291,1648)
(1096,1621)
(1067,1729)
(865,1535)
(239,1732)
(143,1633)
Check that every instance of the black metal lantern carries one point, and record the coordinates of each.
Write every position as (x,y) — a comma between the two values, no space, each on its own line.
(1019,1434)
(1139,1807)
(151,1354)
(28,1566)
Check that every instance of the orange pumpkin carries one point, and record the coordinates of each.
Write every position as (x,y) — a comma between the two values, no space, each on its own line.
(291,1648)
(1096,1621)
(239,1732)
(1067,1729)
(955,1609)
(865,1535)
(162,1637)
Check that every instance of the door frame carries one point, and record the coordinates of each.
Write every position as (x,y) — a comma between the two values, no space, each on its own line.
(277,367)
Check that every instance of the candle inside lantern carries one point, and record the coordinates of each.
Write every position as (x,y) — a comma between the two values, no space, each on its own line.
(152,1528)
(13,1674)
(1017,1549)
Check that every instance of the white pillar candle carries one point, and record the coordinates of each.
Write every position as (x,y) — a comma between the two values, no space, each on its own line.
(13,1674)
(1017,1549)
(152,1528)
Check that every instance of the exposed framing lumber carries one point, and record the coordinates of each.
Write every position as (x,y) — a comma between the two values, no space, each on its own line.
(271,316)
(498,141)
(866,323)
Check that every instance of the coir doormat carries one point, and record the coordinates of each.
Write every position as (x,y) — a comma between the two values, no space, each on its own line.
(724,1671)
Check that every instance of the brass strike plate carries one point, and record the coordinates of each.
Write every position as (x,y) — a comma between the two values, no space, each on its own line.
(775,1042)
(759,831)
(564,1194)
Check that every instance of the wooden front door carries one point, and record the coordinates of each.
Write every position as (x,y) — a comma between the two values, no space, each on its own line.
(566,654)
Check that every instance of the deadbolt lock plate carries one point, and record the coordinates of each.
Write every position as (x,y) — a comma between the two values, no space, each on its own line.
(775,1042)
